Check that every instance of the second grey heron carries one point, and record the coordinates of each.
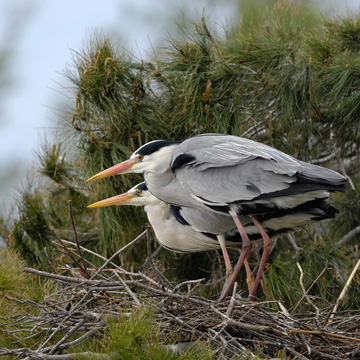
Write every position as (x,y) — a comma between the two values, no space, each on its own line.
(175,233)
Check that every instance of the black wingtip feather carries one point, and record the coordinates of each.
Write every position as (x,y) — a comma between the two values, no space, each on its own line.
(304,185)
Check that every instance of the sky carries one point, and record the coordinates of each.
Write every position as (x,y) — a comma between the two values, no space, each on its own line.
(40,35)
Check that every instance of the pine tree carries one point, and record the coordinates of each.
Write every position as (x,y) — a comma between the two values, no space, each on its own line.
(284,76)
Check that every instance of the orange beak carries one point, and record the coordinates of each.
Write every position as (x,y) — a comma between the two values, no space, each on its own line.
(121,168)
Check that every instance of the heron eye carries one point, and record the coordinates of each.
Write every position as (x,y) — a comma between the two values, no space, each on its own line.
(138,192)
(140,157)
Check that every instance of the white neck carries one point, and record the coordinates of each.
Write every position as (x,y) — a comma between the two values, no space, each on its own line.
(161,160)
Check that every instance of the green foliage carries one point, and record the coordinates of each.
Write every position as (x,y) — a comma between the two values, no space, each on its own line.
(114,115)
(40,208)
(31,233)
(349,218)
(11,275)
(317,257)
(52,164)
(15,283)
(135,336)
(346,32)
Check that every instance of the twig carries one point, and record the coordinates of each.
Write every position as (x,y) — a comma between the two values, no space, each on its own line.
(160,276)
(70,253)
(296,354)
(323,333)
(67,335)
(169,293)
(109,285)
(197,281)
(244,326)
(61,251)
(348,237)
(71,356)
(137,302)
(342,295)
(306,292)
(76,237)
(325,159)
(342,167)
(293,242)
(154,254)
(232,301)
(67,317)
(49,261)
(120,269)
(62,277)
(284,310)
(131,243)
(80,339)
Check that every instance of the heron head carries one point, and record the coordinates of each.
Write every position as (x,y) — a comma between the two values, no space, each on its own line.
(143,159)
(139,195)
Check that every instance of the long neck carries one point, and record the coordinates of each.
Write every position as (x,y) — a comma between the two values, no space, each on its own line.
(162,182)
(175,236)
(158,214)
(161,160)
(168,189)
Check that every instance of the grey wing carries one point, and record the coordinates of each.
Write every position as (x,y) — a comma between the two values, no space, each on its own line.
(215,150)
(209,221)
(222,169)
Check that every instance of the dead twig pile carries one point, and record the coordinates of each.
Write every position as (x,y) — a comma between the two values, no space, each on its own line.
(79,307)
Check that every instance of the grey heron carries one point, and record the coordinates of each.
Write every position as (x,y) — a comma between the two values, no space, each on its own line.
(175,233)
(237,177)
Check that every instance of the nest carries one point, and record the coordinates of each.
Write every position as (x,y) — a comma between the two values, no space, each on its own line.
(79,308)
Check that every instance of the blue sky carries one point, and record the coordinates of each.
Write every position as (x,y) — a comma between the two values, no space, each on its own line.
(42,34)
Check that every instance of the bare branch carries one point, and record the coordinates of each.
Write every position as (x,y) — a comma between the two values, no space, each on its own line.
(343,292)
(76,237)
(348,237)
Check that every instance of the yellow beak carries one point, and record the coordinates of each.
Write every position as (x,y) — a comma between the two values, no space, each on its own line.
(115,200)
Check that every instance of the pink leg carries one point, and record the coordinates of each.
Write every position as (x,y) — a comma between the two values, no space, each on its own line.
(244,254)
(230,271)
(249,276)
(266,252)
(228,266)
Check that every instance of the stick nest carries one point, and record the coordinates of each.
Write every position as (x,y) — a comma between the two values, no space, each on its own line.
(79,307)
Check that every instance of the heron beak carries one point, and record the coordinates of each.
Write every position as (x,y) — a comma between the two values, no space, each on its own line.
(114,170)
(115,200)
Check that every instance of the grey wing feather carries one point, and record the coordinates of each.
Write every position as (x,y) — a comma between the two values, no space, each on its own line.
(224,169)
(208,221)
(228,168)
(328,176)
